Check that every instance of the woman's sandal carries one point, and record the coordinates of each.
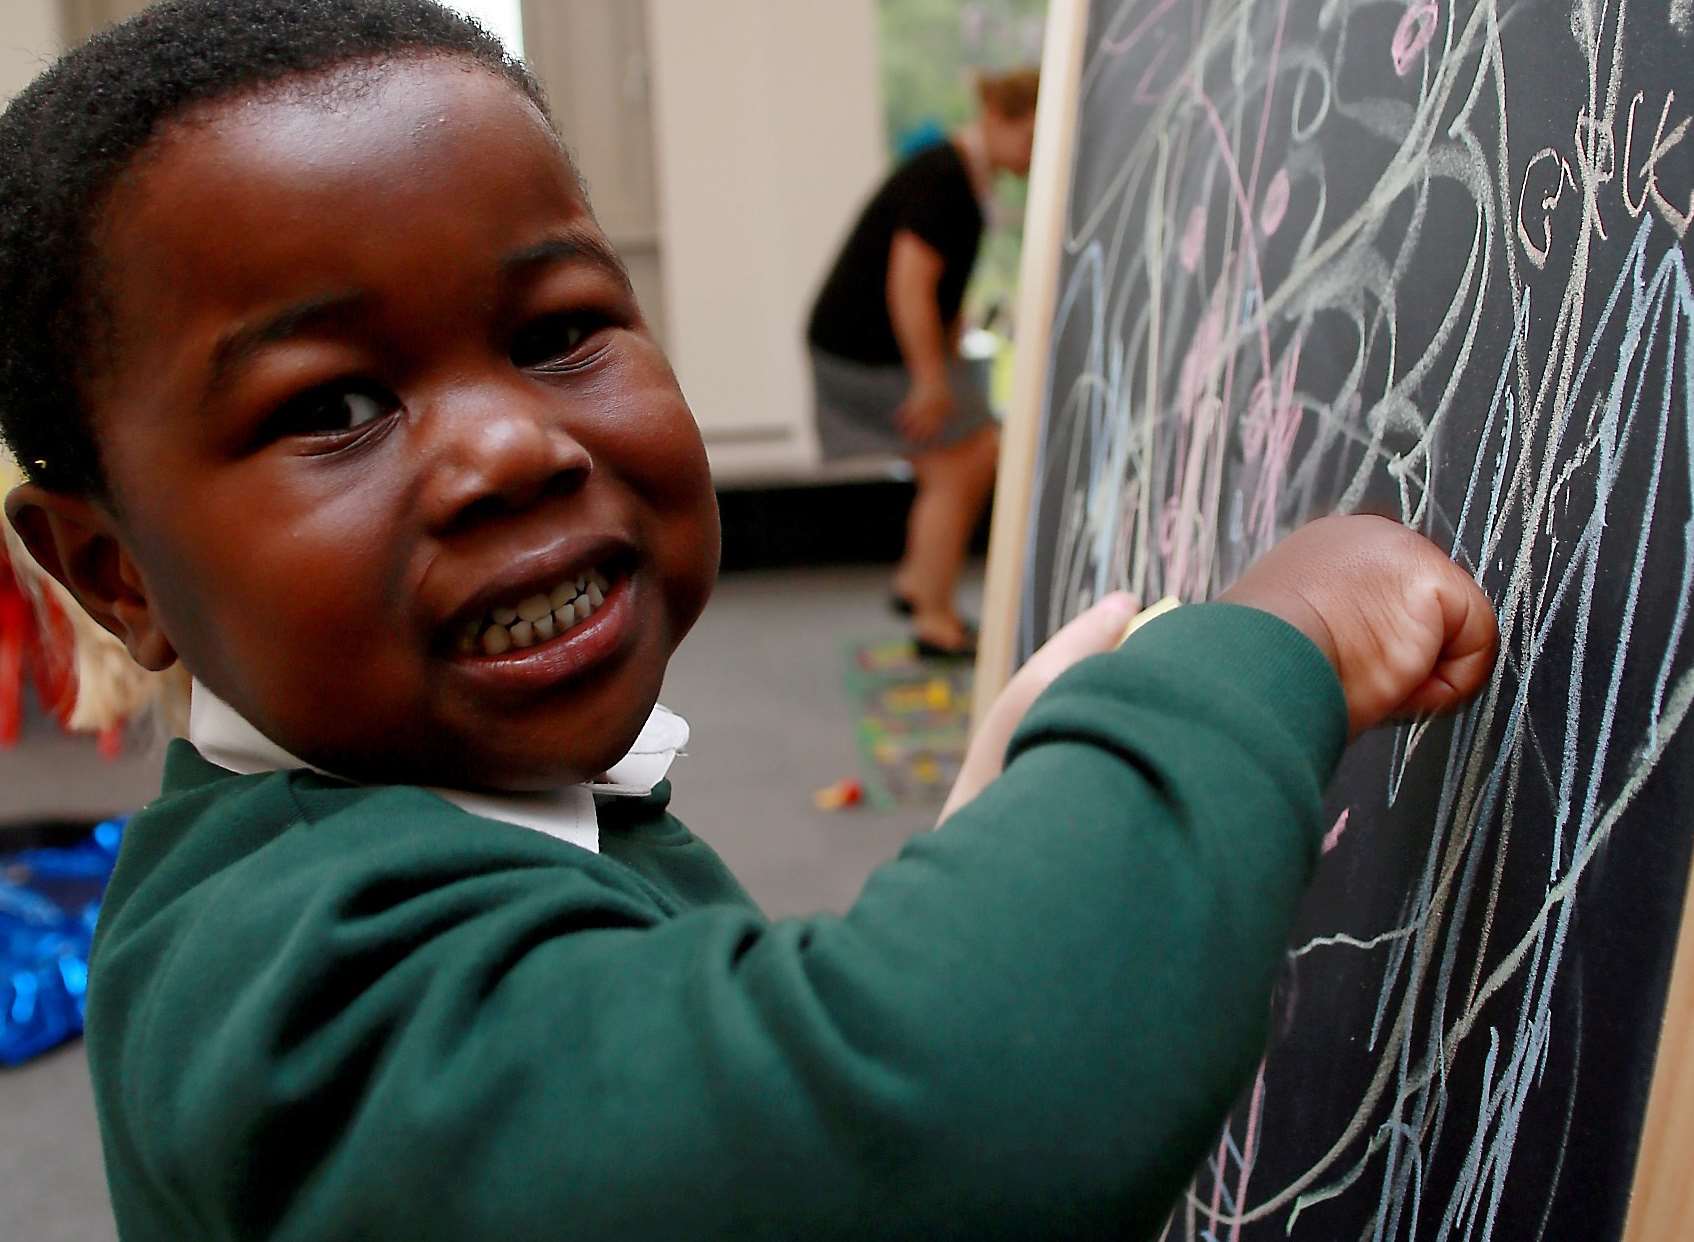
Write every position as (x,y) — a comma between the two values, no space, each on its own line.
(937,651)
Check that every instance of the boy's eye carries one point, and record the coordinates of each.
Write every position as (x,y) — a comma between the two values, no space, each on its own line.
(555,343)
(332,409)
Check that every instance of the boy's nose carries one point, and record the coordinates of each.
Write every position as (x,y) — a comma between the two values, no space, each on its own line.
(492,453)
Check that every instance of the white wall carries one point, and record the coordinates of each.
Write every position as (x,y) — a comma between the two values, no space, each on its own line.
(29,39)
(593,58)
(768,135)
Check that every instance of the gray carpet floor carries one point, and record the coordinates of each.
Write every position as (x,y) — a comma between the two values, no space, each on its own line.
(760,681)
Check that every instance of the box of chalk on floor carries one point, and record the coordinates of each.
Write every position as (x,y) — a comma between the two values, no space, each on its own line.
(913,719)
(52,878)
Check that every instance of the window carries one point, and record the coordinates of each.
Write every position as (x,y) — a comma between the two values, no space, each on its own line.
(502,18)
(929,49)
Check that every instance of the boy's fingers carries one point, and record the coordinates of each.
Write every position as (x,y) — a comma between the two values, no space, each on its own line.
(1470,641)
(1472,629)
(1472,635)
(1097,630)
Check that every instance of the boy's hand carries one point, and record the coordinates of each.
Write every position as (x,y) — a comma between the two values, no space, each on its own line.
(1095,631)
(1407,630)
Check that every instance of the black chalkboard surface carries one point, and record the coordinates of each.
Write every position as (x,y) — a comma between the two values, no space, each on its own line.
(1431,259)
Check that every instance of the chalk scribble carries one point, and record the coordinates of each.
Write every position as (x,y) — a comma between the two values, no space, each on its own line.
(1432,258)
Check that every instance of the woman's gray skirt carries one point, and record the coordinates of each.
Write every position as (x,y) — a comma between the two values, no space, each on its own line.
(856,402)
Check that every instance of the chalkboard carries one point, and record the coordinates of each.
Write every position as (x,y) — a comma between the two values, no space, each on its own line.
(1289,257)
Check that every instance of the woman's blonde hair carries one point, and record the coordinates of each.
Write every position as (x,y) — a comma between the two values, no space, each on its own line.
(1010,94)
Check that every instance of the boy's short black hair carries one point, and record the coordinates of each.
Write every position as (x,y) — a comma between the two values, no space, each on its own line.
(68,135)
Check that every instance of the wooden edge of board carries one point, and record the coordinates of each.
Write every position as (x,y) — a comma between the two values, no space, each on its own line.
(1661,1197)
(1038,296)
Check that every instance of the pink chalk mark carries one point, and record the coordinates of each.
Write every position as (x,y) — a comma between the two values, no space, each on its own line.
(1248,258)
(1222,1161)
(1275,204)
(1144,92)
(1122,44)
(1200,411)
(1412,35)
(1332,838)
(1193,239)
(1282,414)
(1203,354)
(1168,521)
(1249,1150)
(1268,432)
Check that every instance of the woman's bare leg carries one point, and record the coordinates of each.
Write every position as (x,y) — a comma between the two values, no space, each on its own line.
(953,485)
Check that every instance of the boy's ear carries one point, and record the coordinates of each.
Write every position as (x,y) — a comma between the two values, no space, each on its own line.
(75,540)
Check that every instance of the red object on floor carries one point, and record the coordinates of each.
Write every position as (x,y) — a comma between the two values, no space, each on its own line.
(40,649)
(15,626)
(839,796)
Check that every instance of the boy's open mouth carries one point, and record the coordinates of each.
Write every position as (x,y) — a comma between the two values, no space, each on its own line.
(537,618)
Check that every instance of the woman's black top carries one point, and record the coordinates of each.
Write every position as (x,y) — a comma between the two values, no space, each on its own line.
(931,195)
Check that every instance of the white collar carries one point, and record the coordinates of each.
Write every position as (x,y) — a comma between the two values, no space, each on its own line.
(224,737)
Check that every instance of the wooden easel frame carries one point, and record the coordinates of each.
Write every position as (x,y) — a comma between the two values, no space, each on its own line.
(1662,1192)
(1661,1198)
(1038,300)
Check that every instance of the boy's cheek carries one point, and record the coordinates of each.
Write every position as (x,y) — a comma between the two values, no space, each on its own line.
(687,551)
(688,539)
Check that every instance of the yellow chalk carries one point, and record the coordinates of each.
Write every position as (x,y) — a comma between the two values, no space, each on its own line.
(1147,614)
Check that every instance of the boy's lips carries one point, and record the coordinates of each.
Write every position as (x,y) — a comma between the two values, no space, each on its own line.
(548,614)
(569,653)
(526,576)
(537,617)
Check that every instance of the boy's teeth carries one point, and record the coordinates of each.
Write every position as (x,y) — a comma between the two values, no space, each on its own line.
(537,618)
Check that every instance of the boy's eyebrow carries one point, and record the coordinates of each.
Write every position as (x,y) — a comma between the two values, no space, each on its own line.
(571,247)
(240,344)
(237,346)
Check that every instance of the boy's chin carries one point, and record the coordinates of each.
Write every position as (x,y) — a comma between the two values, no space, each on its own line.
(536,767)
(529,772)
(528,780)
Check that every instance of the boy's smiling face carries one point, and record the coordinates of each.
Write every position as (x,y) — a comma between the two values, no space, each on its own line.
(374,379)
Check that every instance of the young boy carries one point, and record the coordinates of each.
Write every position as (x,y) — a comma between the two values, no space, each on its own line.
(329,387)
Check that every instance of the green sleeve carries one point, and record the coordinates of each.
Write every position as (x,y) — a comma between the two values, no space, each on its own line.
(1030,1024)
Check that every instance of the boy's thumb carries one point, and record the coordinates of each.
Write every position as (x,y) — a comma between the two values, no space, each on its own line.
(1098,630)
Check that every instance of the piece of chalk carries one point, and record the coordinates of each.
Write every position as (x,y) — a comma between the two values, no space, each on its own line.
(1147,614)
(842,794)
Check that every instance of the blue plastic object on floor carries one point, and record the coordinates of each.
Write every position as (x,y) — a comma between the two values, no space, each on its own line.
(49,901)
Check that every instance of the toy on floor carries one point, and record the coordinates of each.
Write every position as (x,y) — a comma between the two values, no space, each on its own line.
(839,796)
(49,901)
(914,719)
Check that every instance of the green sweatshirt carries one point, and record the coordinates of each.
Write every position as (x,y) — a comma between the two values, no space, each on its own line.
(323,1011)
